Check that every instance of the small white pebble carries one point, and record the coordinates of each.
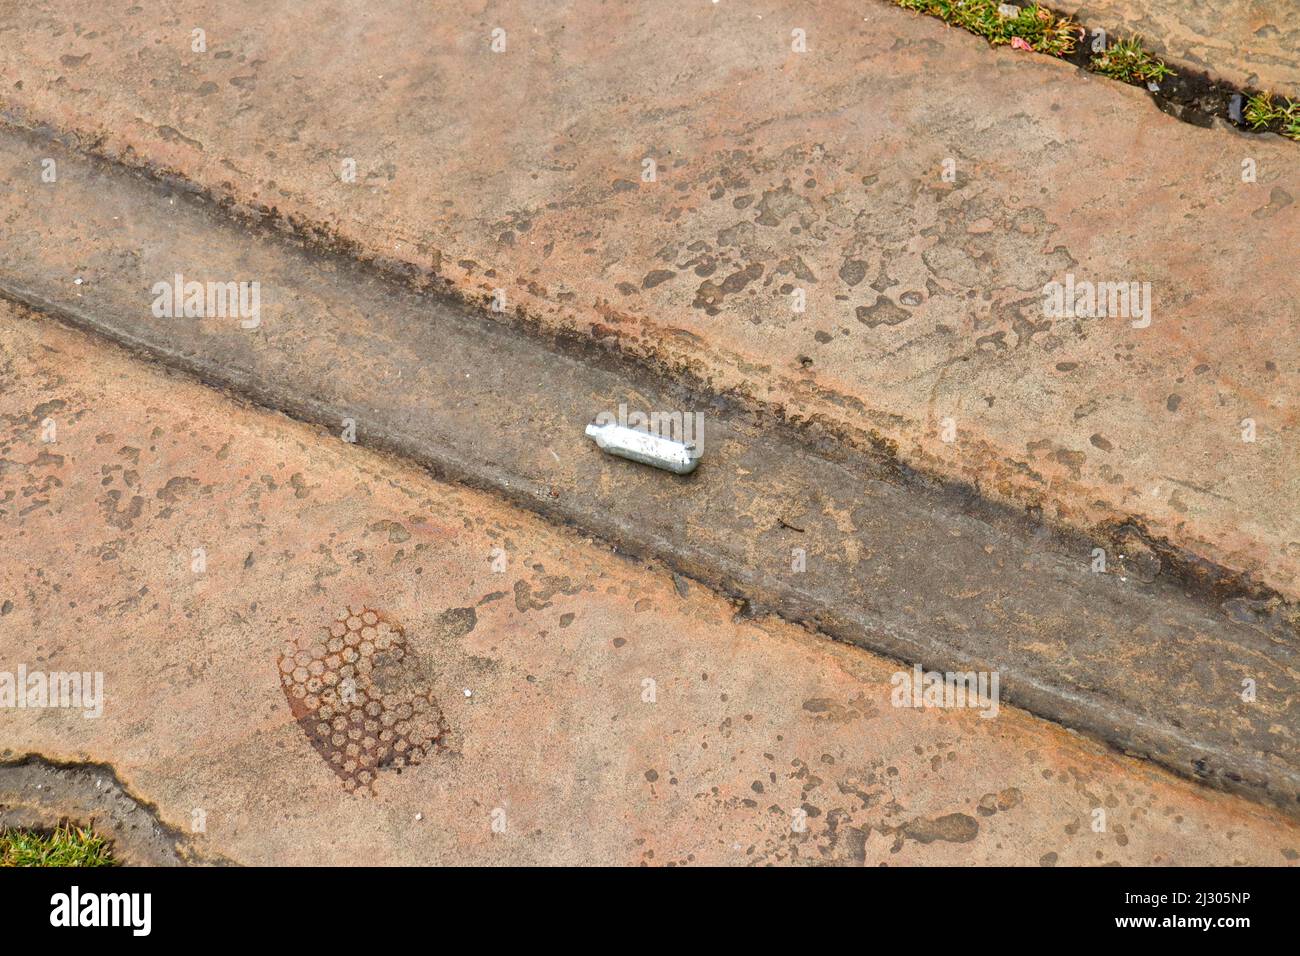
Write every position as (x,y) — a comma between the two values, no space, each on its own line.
(419,816)
(77,281)
(468,692)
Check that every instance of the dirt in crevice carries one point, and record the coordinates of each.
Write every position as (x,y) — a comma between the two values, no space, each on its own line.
(1189,95)
(39,794)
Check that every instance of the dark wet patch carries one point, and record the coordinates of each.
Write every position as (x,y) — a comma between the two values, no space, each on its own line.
(949,828)
(839,832)
(884,312)
(397,533)
(710,294)
(779,204)
(524,600)
(991,803)
(1278,199)
(853,271)
(299,485)
(176,489)
(795,266)
(172,135)
(825,709)
(1072,460)
(455,622)
(119,515)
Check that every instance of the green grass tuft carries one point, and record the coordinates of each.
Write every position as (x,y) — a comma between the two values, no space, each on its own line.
(1131,62)
(1043,30)
(1282,115)
(67,846)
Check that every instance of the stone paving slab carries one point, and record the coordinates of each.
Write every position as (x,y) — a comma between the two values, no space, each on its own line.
(1134,652)
(752,723)
(775,171)
(1248,43)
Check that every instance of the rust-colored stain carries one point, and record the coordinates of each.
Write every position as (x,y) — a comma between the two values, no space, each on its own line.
(354,690)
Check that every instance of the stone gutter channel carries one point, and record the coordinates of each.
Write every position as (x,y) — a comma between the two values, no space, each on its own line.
(782,519)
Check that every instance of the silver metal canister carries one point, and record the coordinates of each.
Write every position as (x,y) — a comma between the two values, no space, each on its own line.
(681,458)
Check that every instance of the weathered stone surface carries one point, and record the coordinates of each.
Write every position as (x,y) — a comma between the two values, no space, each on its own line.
(1137,652)
(775,170)
(1250,43)
(554,638)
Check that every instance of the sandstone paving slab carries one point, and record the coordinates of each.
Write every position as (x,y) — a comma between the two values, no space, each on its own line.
(518,176)
(1137,651)
(545,741)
